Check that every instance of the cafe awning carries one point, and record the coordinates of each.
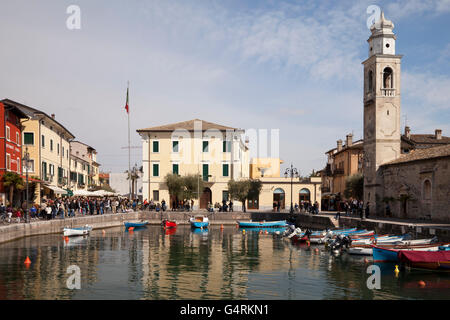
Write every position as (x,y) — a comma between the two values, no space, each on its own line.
(56,190)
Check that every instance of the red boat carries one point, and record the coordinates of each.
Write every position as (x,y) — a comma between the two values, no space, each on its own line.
(169,224)
(430,260)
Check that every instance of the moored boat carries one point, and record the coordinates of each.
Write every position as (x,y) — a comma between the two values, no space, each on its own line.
(70,232)
(169,224)
(199,222)
(435,260)
(262,224)
(390,253)
(135,224)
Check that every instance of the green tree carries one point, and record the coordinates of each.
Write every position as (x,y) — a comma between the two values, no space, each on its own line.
(14,182)
(255,189)
(239,190)
(193,186)
(175,184)
(354,187)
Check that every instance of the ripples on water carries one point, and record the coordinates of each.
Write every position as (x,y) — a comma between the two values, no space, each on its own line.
(215,264)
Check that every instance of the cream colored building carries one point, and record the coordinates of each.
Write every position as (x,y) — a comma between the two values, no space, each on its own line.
(48,144)
(84,168)
(216,153)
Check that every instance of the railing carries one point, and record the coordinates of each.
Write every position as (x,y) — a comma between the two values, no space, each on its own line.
(387,92)
(338,171)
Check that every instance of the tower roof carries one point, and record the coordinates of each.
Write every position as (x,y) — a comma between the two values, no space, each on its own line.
(383,26)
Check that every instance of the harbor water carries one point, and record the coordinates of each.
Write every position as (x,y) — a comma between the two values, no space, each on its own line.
(215,264)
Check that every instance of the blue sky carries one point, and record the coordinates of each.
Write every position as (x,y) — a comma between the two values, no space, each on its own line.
(288,65)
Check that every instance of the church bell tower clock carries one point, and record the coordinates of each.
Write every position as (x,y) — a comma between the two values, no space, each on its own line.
(381,109)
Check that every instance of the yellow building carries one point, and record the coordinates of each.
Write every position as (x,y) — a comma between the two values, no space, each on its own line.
(84,168)
(216,153)
(48,144)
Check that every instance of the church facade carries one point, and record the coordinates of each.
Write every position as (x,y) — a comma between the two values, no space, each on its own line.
(413,185)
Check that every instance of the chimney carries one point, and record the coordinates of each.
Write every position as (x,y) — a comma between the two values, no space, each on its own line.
(53,116)
(349,141)
(408,132)
(339,145)
(438,134)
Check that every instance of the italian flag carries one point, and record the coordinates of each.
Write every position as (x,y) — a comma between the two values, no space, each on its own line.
(126,106)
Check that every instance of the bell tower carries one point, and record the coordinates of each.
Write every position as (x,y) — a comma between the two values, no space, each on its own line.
(381,109)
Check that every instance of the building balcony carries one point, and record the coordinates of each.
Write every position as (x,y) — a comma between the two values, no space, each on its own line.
(385,92)
(338,172)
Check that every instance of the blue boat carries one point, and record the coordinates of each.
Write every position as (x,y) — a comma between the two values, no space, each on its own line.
(135,224)
(262,224)
(199,222)
(264,230)
(384,255)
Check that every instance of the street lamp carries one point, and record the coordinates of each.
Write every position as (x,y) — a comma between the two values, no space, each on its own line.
(291,173)
(26,160)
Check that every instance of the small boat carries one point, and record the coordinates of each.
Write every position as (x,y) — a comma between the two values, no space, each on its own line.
(262,224)
(390,254)
(169,224)
(135,224)
(70,232)
(264,230)
(436,260)
(199,222)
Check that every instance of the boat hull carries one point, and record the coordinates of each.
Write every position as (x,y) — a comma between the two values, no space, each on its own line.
(196,224)
(135,224)
(262,224)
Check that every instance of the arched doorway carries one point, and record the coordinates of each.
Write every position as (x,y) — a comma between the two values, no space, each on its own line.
(279,197)
(304,195)
(205,198)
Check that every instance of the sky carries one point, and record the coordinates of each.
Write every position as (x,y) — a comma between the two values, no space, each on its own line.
(292,66)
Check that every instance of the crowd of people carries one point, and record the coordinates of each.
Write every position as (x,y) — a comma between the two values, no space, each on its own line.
(353,207)
(68,207)
(305,206)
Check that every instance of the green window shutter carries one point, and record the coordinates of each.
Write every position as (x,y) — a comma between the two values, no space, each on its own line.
(43,141)
(175,168)
(225,170)
(205,172)
(156,170)
(205,146)
(226,146)
(28,138)
(44,169)
(175,146)
(155,146)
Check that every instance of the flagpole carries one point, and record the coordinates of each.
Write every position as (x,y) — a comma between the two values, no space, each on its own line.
(129,146)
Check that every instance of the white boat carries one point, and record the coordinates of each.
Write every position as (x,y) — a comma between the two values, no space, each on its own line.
(368,250)
(70,232)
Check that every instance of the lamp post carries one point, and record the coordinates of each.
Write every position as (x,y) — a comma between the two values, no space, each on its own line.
(26,159)
(291,173)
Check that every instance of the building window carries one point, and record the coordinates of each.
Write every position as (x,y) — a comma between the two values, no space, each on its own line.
(57,147)
(17,138)
(8,133)
(156,169)
(226,147)
(426,190)
(388,80)
(175,168)
(18,165)
(28,138)
(205,172)
(44,171)
(155,146)
(155,195)
(8,161)
(175,145)
(225,195)
(205,146)
(225,170)
(43,141)
(51,145)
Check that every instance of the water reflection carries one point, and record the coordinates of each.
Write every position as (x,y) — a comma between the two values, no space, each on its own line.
(185,263)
